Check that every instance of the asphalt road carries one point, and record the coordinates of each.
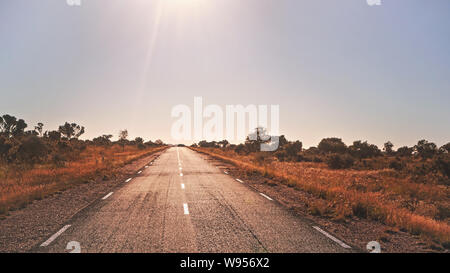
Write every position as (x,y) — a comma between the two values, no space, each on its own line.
(182,203)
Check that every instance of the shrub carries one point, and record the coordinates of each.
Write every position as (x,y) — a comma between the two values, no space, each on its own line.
(31,149)
(332,145)
(337,161)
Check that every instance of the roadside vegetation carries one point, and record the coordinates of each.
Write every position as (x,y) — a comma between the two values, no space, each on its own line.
(406,188)
(36,163)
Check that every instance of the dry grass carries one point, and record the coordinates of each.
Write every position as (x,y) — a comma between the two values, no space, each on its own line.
(19,185)
(383,195)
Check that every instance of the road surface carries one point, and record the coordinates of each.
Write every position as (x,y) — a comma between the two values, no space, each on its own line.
(183,203)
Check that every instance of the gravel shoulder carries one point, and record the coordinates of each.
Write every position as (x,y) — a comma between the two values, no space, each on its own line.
(23,229)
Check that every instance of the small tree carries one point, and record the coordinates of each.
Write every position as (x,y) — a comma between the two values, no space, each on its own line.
(53,135)
(445,148)
(332,145)
(404,151)
(11,126)
(39,129)
(123,135)
(425,149)
(388,148)
(71,130)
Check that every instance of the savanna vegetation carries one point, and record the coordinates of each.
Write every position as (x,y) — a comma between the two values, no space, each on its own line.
(35,163)
(406,188)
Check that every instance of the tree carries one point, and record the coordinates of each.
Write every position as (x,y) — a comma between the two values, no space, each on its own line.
(139,140)
(425,149)
(445,148)
(388,148)
(292,149)
(361,149)
(102,140)
(123,134)
(39,129)
(332,145)
(11,126)
(159,142)
(255,139)
(71,130)
(53,135)
(404,151)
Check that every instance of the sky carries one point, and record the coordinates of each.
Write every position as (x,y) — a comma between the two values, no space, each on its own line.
(335,68)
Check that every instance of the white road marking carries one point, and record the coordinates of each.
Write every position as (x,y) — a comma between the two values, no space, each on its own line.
(182,186)
(146,166)
(186,209)
(180,168)
(108,195)
(266,196)
(128,180)
(181,174)
(54,236)
(339,242)
(139,172)
(239,180)
(225,172)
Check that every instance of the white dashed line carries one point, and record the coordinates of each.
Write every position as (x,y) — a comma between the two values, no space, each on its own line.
(181,174)
(180,168)
(266,196)
(225,172)
(239,180)
(339,242)
(139,172)
(54,236)
(182,186)
(108,195)
(186,209)
(128,180)
(146,167)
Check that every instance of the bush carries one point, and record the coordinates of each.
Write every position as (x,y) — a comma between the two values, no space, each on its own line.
(396,165)
(442,164)
(337,161)
(332,145)
(32,149)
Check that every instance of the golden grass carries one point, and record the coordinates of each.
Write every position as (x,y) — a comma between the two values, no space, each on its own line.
(382,195)
(18,187)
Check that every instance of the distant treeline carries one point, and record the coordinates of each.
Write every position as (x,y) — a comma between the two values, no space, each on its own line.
(19,145)
(337,155)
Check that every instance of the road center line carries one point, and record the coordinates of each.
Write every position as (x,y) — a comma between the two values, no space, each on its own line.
(108,195)
(139,172)
(266,196)
(54,236)
(128,180)
(339,242)
(181,174)
(239,180)
(182,186)
(186,209)
(225,172)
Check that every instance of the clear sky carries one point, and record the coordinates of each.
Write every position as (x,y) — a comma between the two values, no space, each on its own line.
(336,68)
